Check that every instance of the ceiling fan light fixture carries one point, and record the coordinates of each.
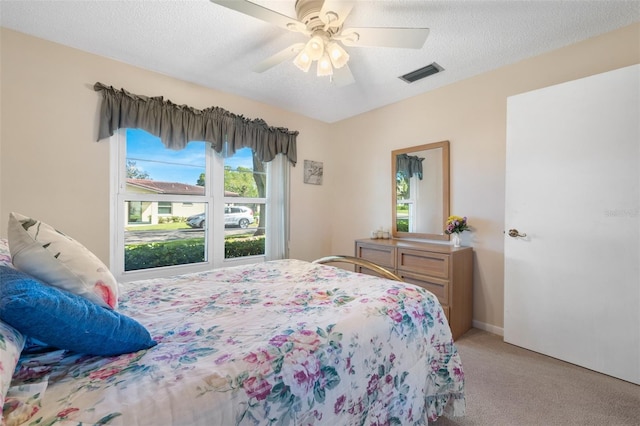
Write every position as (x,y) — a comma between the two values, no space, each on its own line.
(323,22)
(339,57)
(315,48)
(303,61)
(324,66)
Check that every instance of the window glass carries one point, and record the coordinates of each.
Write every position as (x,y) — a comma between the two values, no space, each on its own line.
(164,190)
(167,241)
(177,211)
(403,186)
(165,207)
(135,210)
(153,167)
(405,206)
(245,189)
(243,234)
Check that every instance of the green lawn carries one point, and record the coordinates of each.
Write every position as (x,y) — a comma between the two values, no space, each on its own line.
(159,227)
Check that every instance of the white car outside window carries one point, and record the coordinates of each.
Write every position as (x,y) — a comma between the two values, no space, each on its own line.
(238,216)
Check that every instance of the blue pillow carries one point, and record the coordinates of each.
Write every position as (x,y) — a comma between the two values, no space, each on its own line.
(65,320)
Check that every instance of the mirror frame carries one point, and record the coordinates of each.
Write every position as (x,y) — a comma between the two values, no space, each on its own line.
(445,190)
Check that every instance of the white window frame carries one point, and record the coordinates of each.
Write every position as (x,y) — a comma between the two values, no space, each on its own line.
(276,208)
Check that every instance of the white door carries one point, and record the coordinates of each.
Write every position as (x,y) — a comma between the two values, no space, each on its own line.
(572,284)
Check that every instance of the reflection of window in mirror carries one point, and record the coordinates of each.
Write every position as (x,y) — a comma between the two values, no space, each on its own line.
(409,171)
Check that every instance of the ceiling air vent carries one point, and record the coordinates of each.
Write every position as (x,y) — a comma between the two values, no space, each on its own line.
(421,73)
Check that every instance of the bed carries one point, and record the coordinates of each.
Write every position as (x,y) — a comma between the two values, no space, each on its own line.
(284,342)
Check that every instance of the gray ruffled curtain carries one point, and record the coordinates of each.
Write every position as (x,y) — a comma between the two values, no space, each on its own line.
(409,165)
(176,125)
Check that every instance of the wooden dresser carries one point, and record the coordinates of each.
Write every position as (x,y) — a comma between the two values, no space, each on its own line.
(442,269)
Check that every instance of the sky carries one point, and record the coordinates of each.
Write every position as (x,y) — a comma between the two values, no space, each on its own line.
(184,166)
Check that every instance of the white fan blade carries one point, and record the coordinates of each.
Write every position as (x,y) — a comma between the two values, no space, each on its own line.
(264,14)
(334,12)
(279,57)
(411,38)
(342,76)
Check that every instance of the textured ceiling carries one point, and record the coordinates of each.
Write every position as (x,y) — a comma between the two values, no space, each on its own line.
(207,44)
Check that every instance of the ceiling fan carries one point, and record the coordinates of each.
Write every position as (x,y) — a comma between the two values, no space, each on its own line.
(322,21)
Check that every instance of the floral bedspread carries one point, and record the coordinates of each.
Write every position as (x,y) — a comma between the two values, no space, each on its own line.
(279,343)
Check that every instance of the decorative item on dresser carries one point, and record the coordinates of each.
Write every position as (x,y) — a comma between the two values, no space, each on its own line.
(444,270)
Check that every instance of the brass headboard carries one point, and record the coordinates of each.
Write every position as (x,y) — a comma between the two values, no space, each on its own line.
(359,262)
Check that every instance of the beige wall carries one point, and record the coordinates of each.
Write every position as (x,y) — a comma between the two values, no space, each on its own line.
(472,115)
(51,168)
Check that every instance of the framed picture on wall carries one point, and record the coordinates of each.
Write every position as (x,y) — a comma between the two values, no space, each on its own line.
(313,171)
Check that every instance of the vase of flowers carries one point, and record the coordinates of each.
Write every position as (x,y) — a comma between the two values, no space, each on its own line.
(455,226)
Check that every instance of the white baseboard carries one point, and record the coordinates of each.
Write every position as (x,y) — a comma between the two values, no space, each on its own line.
(488,327)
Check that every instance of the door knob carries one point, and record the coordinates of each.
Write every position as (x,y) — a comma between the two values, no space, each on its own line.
(515,233)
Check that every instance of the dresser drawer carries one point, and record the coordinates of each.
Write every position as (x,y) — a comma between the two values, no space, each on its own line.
(440,288)
(366,271)
(380,255)
(423,262)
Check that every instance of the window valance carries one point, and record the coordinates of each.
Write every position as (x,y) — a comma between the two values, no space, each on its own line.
(176,125)
(409,165)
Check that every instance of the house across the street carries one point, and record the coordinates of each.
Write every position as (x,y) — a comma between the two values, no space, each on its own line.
(153,212)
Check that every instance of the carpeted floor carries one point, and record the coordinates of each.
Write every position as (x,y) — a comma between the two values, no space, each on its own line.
(508,385)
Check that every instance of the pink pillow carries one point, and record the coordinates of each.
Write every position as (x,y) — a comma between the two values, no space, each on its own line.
(60,261)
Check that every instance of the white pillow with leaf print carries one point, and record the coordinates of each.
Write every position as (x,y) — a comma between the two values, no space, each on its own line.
(60,261)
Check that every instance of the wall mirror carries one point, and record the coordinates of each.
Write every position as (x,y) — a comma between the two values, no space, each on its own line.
(420,191)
